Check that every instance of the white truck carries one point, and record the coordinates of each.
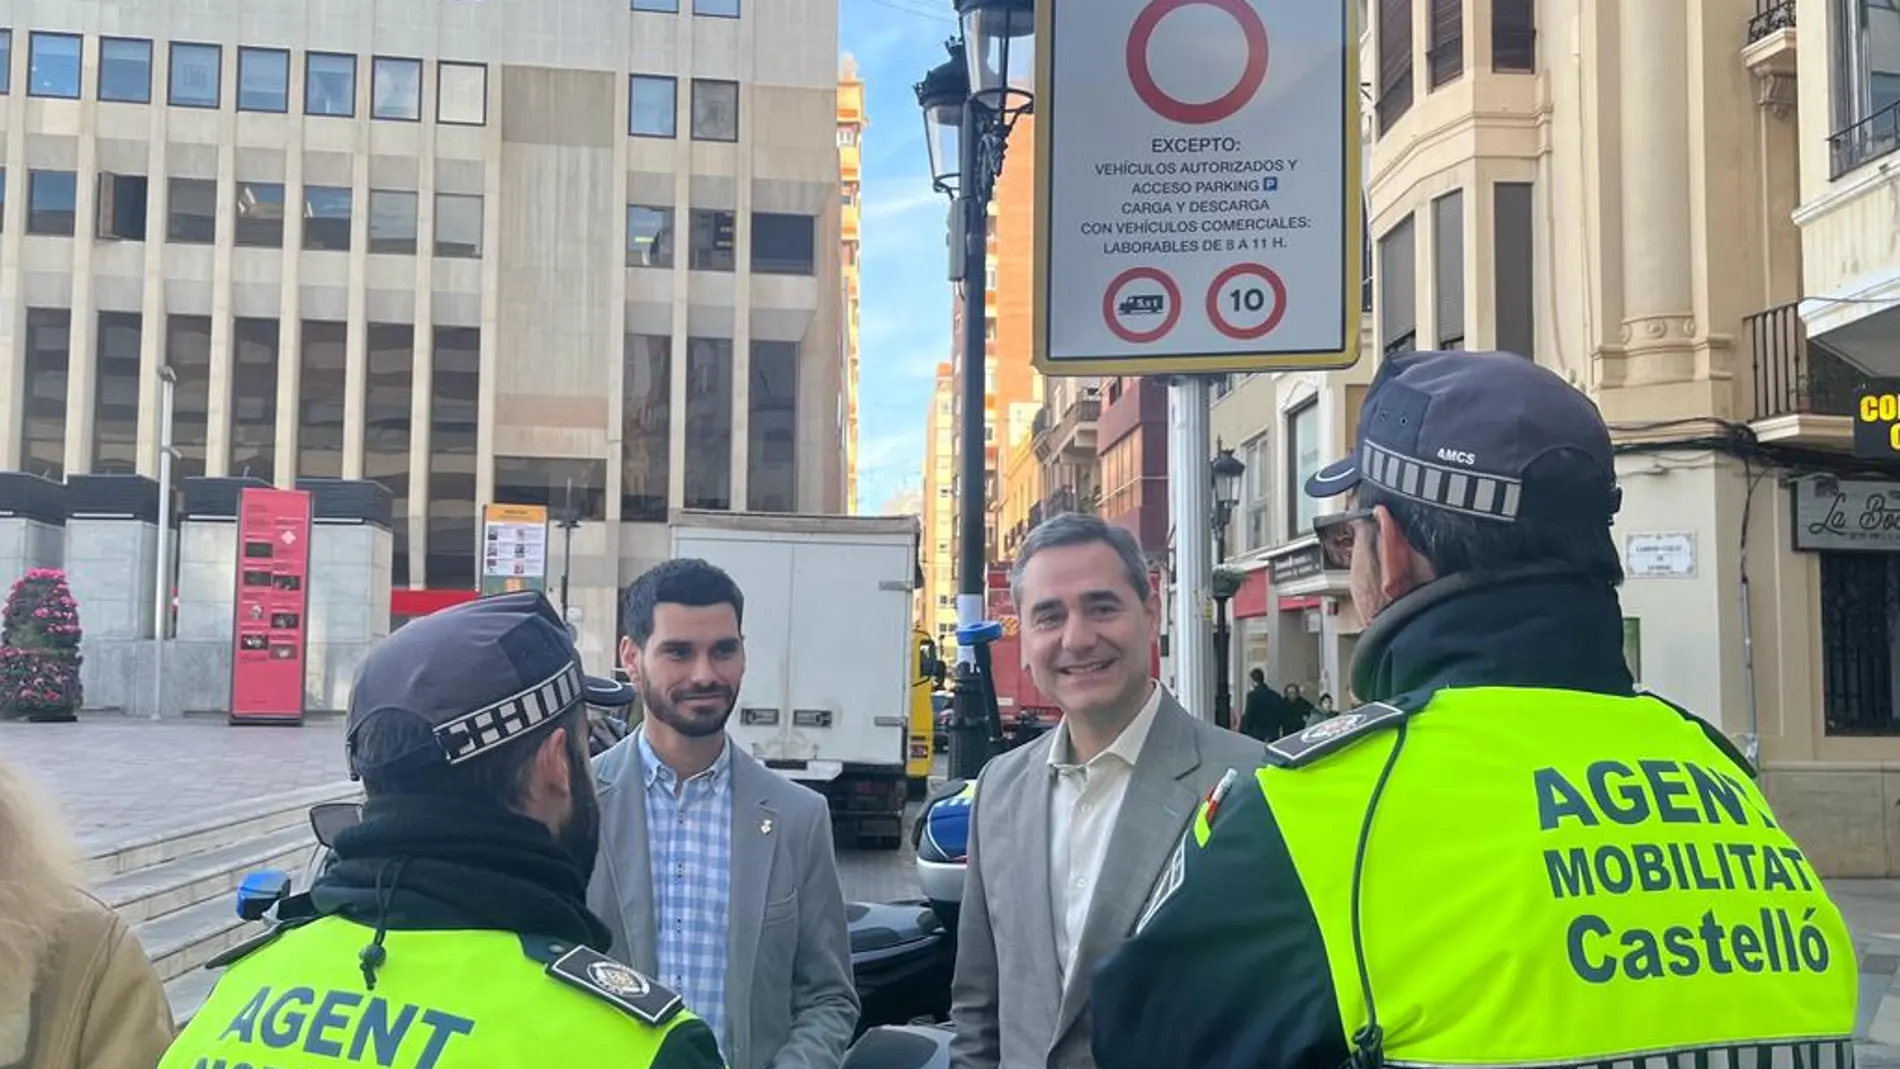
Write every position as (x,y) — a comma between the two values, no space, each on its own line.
(829,652)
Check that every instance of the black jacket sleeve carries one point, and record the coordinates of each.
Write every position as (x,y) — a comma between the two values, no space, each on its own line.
(689,1046)
(1229,971)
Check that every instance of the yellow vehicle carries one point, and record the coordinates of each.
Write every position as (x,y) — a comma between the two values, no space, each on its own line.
(926,677)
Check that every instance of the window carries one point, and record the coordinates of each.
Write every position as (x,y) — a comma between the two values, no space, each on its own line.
(194,75)
(461,93)
(721,9)
(50,200)
(52,65)
(329,84)
(652,106)
(712,240)
(391,361)
(395,89)
(1395,61)
(783,244)
(1513,242)
(1866,65)
(1445,50)
(458,226)
(455,388)
(1256,493)
(715,110)
(708,423)
(1448,269)
(1398,311)
(254,398)
(263,80)
(43,415)
(120,207)
(115,397)
(193,218)
(188,351)
(6,61)
(1302,455)
(666,6)
(260,215)
(392,222)
(326,218)
(125,70)
(320,393)
(847,136)
(772,429)
(649,236)
(646,437)
(556,482)
(1513,35)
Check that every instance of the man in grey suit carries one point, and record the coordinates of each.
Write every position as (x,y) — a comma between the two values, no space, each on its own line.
(715,874)
(1071,831)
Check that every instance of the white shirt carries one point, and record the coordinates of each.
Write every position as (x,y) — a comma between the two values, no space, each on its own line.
(1084,803)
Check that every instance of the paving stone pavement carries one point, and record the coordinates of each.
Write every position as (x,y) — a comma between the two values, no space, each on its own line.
(117,778)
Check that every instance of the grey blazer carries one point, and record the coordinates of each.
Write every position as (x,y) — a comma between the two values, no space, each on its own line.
(790,999)
(1009,1005)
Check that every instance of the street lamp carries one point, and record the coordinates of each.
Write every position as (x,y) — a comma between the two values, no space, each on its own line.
(971,96)
(161,571)
(1227,470)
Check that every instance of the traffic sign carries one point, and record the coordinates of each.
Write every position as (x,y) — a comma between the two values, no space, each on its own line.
(1201,146)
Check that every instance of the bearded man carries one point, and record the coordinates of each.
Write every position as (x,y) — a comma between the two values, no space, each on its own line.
(716,874)
(76,992)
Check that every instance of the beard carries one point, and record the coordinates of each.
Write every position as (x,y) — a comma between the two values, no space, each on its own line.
(580,836)
(670,709)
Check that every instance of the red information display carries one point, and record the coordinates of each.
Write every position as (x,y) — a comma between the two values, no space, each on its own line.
(268,637)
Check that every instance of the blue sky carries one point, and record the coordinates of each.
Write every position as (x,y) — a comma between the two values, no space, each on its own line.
(904,310)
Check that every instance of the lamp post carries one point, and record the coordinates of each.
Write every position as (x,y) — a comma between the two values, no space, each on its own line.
(969,106)
(161,572)
(1227,469)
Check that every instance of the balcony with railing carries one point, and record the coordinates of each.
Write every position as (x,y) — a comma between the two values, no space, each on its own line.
(1804,394)
(1769,54)
(1864,142)
(1068,435)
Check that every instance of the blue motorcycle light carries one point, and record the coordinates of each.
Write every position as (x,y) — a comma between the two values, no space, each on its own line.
(259,891)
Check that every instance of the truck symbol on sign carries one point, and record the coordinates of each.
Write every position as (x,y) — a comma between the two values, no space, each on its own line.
(1142,304)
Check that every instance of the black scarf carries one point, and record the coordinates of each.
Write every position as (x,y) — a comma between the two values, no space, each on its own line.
(1527,627)
(424,863)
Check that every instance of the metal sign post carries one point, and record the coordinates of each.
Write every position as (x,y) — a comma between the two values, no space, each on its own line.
(1198,212)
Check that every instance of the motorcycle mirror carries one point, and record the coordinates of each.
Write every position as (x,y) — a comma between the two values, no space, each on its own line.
(332,817)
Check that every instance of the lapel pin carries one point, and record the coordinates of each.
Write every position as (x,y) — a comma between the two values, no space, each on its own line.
(765,826)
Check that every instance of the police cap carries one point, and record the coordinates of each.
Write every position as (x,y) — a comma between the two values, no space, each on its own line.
(461,682)
(1485,434)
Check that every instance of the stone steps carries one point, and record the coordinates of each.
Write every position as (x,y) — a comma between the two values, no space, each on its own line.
(176,889)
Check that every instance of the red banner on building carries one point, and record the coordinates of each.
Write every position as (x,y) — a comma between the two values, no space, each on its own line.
(269,635)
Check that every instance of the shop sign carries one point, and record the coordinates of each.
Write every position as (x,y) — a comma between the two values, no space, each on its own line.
(1877,420)
(1846,515)
(1303,563)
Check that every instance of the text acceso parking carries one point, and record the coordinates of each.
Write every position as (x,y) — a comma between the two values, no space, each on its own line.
(1731,873)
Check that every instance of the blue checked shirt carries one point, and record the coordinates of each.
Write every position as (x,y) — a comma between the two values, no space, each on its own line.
(689,847)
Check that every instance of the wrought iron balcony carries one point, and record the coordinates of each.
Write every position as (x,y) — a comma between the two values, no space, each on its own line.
(1867,140)
(1770,16)
(1071,435)
(1794,376)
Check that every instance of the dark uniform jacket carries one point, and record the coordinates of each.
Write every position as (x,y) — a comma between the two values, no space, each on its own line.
(1235,975)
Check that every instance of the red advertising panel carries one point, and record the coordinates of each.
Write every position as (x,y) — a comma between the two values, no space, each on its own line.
(268,639)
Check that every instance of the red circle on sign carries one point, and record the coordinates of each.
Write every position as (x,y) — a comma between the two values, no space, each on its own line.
(1265,274)
(1136,274)
(1252,30)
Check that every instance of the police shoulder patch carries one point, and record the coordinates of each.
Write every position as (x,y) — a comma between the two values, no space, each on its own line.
(1335,733)
(627,988)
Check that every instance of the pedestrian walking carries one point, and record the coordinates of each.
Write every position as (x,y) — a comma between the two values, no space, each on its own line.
(1509,856)
(452,931)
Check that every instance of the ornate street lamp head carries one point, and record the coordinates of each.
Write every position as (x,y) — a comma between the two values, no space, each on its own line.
(1228,469)
(996,35)
(941,96)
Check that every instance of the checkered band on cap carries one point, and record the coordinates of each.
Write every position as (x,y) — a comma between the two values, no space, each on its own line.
(1492,496)
(484,729)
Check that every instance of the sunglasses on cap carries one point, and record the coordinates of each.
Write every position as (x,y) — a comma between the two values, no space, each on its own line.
(1335,533)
